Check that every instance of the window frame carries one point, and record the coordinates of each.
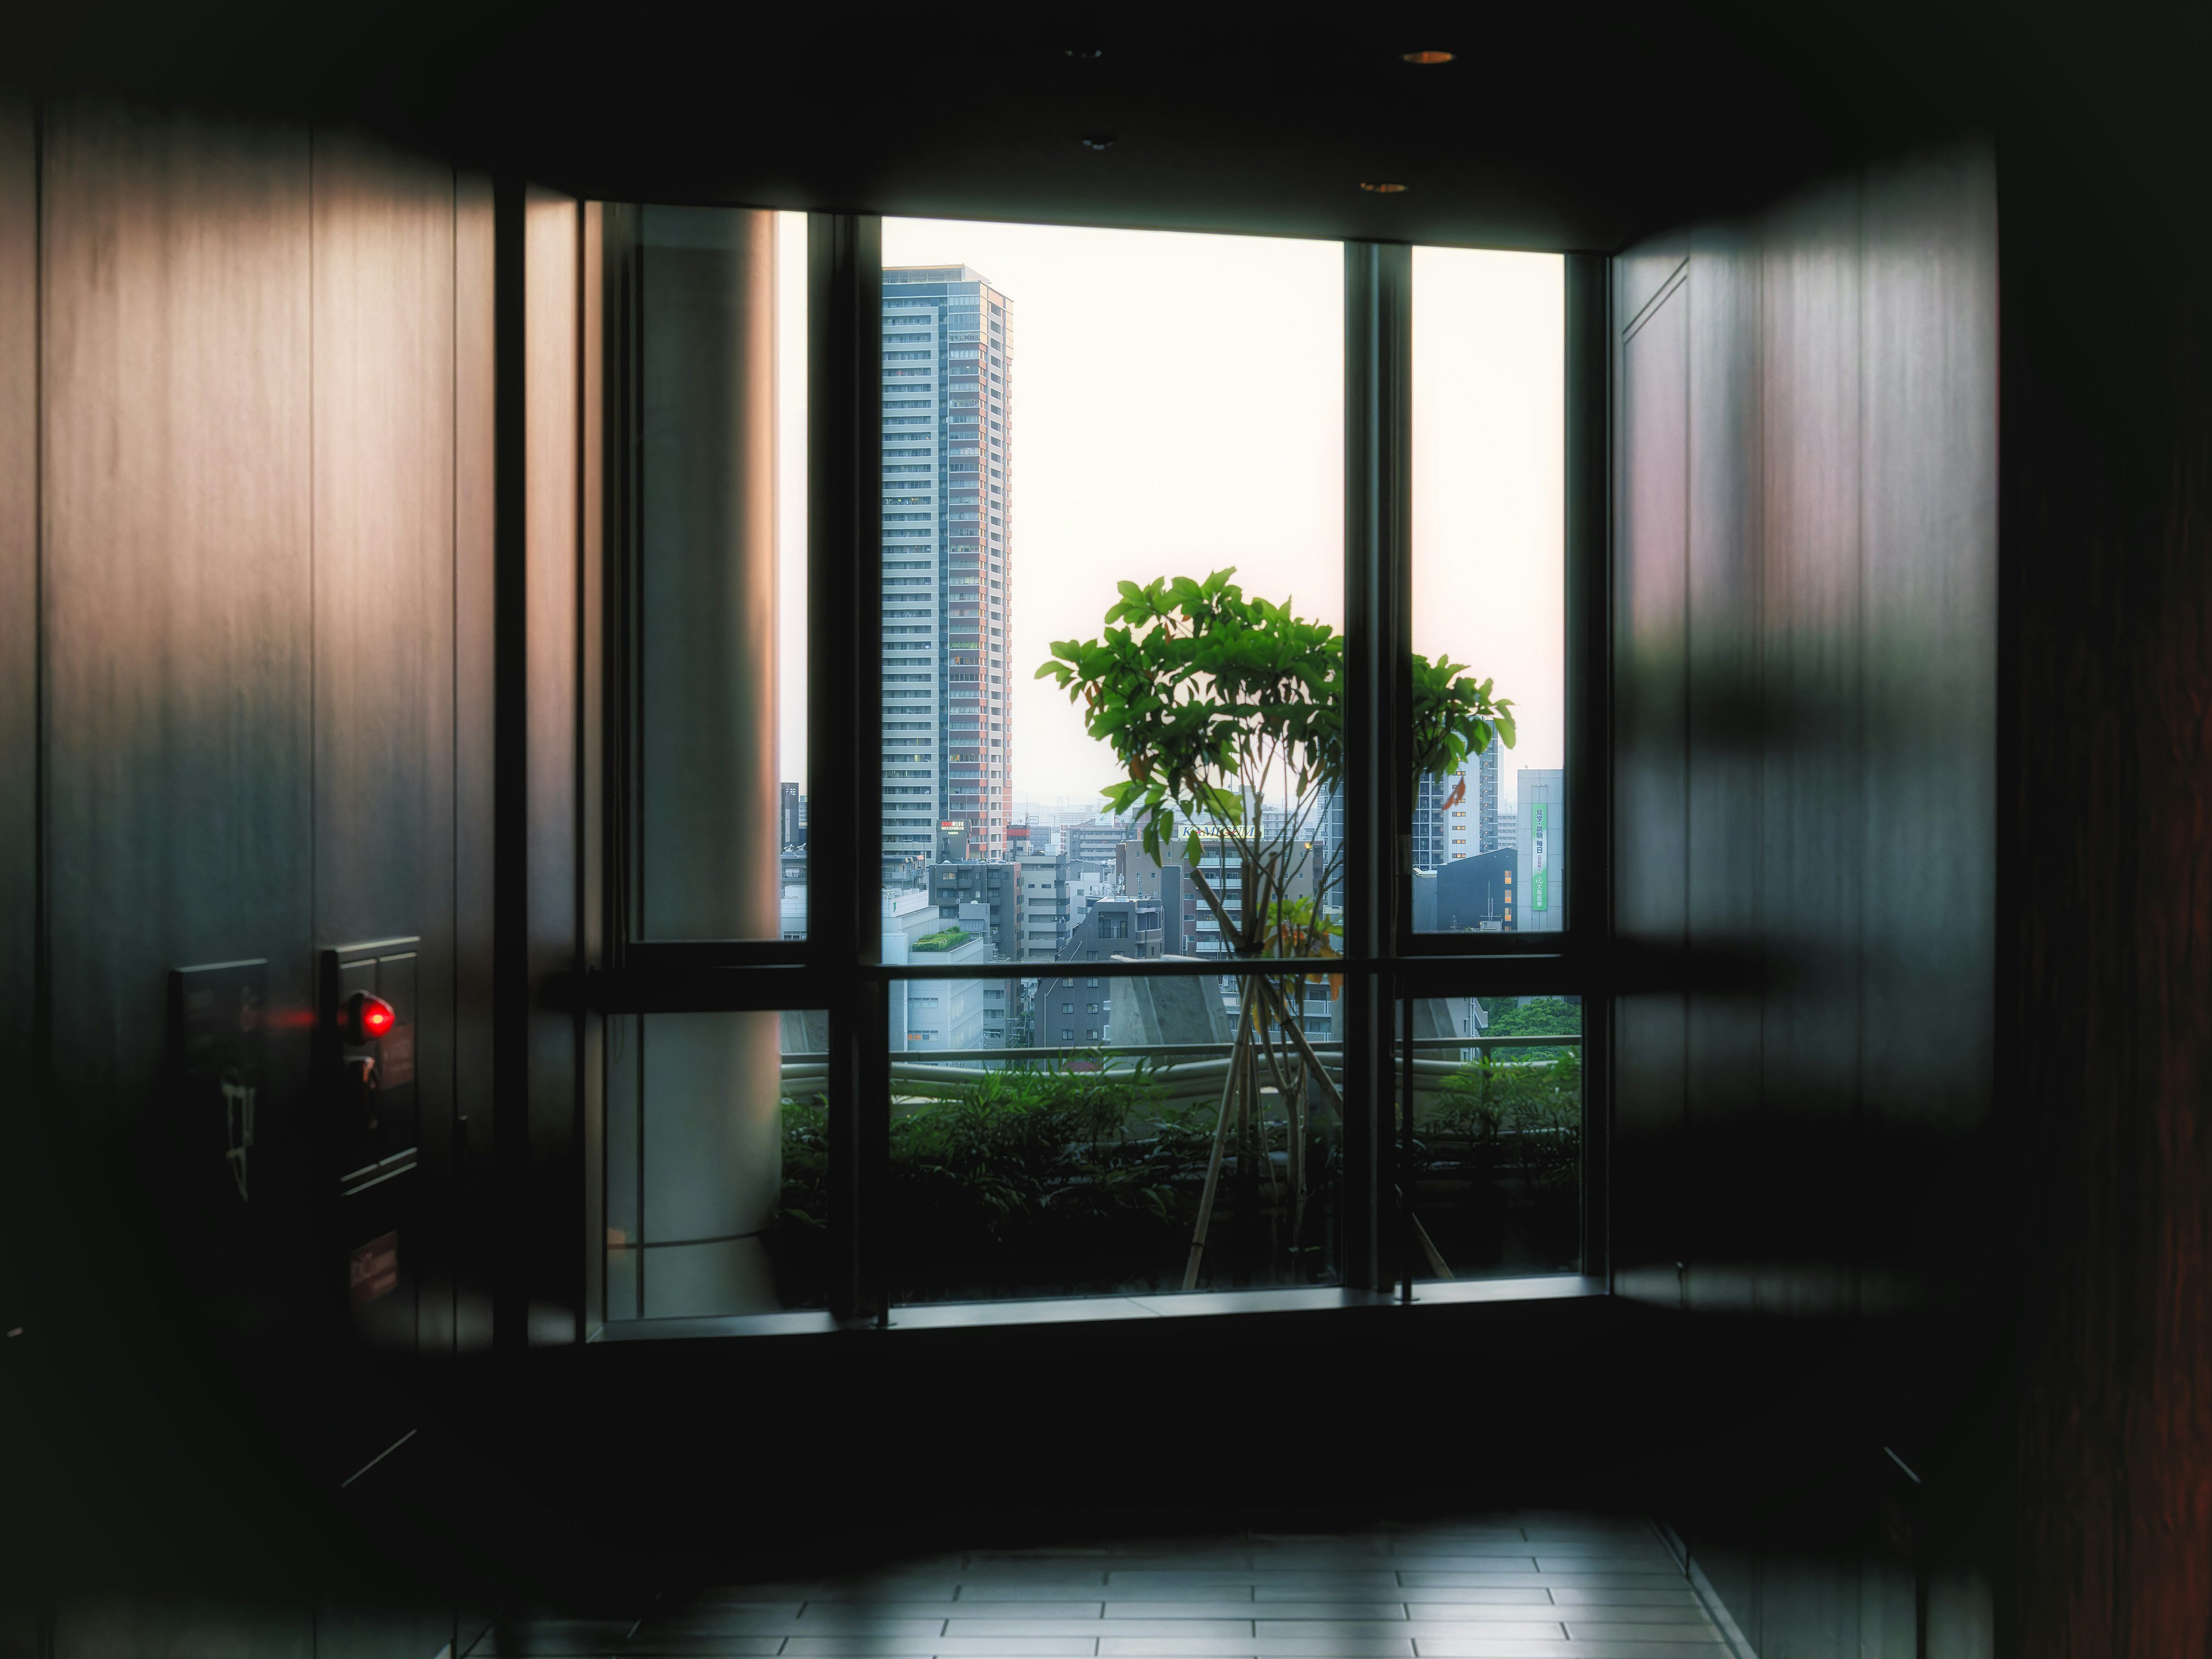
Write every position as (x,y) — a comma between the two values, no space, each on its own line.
(838,966)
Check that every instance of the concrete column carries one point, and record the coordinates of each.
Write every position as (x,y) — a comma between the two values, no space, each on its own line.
(706,838)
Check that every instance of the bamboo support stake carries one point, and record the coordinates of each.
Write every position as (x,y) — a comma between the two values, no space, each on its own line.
(1229,1093)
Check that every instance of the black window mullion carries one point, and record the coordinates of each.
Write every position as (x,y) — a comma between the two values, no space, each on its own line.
(1590,348)
(844,627)
(1377,477)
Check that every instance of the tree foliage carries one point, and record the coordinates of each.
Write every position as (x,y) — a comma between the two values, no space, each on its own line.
(1213,702)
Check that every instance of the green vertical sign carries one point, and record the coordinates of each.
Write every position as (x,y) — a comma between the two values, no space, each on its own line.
(1539,875)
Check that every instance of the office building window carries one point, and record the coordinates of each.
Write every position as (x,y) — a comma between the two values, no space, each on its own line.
(1489,577)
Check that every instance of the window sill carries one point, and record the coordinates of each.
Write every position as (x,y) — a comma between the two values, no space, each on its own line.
(1072,1310)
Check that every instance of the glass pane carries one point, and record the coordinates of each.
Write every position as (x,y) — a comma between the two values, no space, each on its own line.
(712,382)
(1122,1122)
(1489,587)
(1496,1152)
(715,1164)
(1066,412)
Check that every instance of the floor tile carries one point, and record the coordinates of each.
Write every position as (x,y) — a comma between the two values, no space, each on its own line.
(965,1608)
(1337,1609)
(1231,1605)
(1424,1583)
(703,1645)
(1437,1599)
(1239,1592)
(1246,1647)
(832,1618)
(1483,1560)
(1583,1630)
(1636,1613)
(1652,1560)
(1583,1580)
(1370,1629)
(552,1638)
(1448,1615)
(964,1647)
(1679,1594)
(1240,1627)
(1150,1584)
(1013,1592)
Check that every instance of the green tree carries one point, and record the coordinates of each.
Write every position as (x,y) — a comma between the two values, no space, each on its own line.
(1217,706)
(1214,702)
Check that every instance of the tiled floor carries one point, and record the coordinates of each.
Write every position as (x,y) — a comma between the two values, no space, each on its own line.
(1503,1587)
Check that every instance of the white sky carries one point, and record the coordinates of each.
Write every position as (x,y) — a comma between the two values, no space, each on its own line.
(1490,480)
(1176,405)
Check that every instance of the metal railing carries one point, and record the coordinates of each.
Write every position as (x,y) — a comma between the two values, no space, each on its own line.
(1178,1070)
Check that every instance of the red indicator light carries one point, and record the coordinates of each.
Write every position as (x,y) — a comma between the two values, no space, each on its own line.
(367,1018)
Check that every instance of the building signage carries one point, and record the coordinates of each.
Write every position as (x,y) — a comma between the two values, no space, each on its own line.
(1539,876)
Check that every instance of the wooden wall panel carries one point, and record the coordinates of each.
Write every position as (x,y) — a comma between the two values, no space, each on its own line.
(179,577)
(19,584)
(1651,637)
(2106,390)
(383,610)
(474,468)
(1929,625)
(1725,660)
(1809,458)
(1838,843)
(384,541)
(549,836)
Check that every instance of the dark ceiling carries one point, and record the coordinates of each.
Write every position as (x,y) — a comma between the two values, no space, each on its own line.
(1571,125)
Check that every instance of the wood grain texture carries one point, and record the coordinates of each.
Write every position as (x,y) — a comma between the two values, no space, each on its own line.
(384,613)
(1650,630)
(179,577)
(2108,803)
(548,839)
(1723,660)
(474,468)
(1834,852)
(19,584)
(1808,454)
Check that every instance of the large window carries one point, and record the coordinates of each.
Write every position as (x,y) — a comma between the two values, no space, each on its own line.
(1082,761)
(1488,830)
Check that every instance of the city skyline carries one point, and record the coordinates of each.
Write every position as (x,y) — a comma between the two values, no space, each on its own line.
(1209,416)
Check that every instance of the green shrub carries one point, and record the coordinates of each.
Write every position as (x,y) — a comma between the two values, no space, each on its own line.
(1046,1177)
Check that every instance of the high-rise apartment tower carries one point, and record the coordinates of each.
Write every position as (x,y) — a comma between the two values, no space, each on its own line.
(948,731)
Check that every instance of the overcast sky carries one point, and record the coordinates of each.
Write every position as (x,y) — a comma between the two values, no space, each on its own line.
(1177,406)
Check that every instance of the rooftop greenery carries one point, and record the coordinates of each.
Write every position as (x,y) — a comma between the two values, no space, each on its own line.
(945,939)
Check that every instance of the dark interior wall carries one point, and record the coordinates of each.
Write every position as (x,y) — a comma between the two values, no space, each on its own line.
(2108,565)
(244,493)
(1806,830)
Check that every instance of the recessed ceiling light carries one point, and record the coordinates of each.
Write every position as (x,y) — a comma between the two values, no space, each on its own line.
(1428,57)
(1086,52)
(1098,141)
(1383,190)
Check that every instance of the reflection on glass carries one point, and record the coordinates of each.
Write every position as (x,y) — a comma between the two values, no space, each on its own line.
(714,1163)
(1156,1156)
(1489,581)
(709,383)
(1496,1155)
